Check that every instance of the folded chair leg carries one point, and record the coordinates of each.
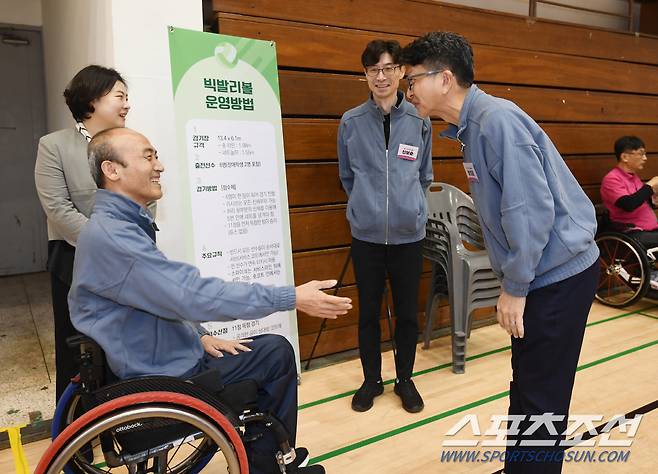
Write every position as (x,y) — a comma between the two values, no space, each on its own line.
(458,352)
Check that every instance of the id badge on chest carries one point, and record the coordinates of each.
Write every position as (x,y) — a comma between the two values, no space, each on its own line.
(470,173)
(408,152)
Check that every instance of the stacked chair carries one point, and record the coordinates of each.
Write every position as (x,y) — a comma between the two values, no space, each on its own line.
(461,269)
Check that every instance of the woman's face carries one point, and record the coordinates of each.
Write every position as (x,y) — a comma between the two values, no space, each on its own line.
(111,109)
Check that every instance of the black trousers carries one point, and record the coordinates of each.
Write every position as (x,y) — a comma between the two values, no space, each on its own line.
(544,367)
(403,265)
(60,265)
(271,364)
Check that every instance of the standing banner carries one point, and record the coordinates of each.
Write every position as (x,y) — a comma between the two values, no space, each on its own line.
(231,168)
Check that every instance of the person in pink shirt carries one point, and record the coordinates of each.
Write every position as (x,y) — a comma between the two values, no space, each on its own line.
(629,201)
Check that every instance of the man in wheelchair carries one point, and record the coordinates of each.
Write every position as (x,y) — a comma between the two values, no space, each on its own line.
(143,309)
(629,201)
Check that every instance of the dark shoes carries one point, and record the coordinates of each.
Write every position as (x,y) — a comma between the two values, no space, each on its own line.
(365,395)
(299,465)
(315,469)
(267,463)
(411,399)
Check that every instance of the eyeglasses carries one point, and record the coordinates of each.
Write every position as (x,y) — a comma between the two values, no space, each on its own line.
(637,152)
(388,71)
(412,79)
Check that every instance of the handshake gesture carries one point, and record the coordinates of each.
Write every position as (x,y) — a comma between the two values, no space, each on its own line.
(313,301)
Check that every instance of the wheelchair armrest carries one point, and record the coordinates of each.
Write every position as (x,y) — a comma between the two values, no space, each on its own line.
(77,340)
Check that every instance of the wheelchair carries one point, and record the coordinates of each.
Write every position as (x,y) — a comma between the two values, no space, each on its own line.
(155,424)
(625,264)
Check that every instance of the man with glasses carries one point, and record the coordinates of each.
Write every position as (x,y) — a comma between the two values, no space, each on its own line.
(538,227)
(385,165)
(628,200)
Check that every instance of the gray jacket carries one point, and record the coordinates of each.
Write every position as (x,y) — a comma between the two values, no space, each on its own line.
(538,224)
(385,187)
(64,184)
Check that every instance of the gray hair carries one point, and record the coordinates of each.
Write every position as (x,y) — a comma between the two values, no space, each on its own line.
(100,149)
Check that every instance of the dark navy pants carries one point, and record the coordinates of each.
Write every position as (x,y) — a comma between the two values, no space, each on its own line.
(271,364)
(544,367)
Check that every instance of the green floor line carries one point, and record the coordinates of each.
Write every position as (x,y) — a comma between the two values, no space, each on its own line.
(445,414)
(415,374)
(449,364)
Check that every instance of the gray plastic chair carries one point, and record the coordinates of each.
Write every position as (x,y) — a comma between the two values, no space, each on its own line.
(461,268)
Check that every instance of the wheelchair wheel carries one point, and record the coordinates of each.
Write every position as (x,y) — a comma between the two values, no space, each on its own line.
(624,270)
(159,432)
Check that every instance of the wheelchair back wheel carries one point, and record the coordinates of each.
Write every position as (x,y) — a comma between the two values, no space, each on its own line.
(159,432)
(624,270)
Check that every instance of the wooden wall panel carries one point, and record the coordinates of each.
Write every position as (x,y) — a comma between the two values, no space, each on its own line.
(302,45)
(330,95)
(585,86)
(308,181)
(310,184)
(319,228)
(411,18)
(315,139)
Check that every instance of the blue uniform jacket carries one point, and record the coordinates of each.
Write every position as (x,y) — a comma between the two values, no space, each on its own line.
(385,188)
(538,223)
(142,307)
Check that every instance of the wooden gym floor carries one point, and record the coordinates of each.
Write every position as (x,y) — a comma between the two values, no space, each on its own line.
(618,373)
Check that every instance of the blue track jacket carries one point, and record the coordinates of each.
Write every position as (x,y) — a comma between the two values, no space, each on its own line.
(537,222)
(386,188)
(142,307)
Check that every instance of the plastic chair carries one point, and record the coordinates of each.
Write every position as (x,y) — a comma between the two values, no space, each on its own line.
(455,245)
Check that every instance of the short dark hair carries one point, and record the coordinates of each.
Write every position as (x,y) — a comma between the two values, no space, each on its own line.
(89,84)
(376,48)
(442,50)
(627,143)
(100,149)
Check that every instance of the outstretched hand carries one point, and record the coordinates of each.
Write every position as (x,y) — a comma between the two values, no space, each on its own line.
(314,302)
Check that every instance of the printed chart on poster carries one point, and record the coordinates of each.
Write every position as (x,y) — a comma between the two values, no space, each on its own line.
(232,168)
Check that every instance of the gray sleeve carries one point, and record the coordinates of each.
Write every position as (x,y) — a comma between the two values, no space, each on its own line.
(147,280)
(426,170)
(54,193)
(344,169)
(526,210)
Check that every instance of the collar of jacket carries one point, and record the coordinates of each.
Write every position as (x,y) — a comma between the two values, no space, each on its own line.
(123,208)
(453,131)
(398,107)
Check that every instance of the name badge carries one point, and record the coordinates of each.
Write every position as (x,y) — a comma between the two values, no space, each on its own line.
(470,172)
(407,152)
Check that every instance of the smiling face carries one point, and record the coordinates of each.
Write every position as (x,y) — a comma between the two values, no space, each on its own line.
(139,176)
(386,78)
(111,109)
